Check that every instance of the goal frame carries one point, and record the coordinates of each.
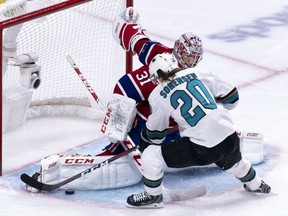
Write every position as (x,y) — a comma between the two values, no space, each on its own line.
(34,15)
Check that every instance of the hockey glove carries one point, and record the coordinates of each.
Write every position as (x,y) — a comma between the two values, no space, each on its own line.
(126,29)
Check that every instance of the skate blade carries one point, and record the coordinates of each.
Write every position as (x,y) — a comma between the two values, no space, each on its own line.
(149,206)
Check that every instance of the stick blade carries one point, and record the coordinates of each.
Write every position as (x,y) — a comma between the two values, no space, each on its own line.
(31,182)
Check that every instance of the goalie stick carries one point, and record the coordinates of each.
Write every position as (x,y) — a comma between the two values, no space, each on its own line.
(128,144)
(50,187)
(85,82)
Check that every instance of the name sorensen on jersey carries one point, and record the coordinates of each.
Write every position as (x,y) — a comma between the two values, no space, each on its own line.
(175,82)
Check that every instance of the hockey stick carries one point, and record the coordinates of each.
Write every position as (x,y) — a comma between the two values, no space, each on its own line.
(50,187)
(136,155)
(85,82)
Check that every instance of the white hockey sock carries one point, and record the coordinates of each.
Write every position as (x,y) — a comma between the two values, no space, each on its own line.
(246,174)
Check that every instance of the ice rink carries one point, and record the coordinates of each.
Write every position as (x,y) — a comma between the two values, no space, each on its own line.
(245,43)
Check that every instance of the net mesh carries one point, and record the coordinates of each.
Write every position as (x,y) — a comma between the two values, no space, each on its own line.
(84,32)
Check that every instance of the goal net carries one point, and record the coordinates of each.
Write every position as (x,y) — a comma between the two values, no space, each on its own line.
(46,32)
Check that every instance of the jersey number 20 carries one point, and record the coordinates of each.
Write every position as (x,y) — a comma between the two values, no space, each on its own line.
(200,93)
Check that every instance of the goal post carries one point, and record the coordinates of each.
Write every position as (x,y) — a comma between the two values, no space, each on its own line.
(36,78)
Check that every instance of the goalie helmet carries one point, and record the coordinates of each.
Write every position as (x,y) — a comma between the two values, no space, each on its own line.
(164,62)
(188,50)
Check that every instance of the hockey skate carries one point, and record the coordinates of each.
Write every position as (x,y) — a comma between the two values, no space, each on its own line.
(144,200)
(264,188)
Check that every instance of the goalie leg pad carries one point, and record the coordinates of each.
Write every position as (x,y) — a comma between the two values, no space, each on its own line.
(252,146)
(120,173)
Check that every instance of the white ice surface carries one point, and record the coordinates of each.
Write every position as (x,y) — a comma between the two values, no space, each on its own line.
(246,43)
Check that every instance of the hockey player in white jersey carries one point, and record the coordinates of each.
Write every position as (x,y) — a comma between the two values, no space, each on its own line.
(200,103)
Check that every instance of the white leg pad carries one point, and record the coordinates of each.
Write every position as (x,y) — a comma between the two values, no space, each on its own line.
(120,173)
(252,146)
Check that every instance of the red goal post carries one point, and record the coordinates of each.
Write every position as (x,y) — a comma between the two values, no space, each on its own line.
(53,30)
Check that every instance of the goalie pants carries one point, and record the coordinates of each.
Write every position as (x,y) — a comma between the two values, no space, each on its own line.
(183,153)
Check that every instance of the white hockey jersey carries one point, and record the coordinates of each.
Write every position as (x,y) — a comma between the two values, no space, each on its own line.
(199,102)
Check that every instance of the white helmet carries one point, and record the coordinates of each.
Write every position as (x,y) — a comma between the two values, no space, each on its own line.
(165,62)
(191,45)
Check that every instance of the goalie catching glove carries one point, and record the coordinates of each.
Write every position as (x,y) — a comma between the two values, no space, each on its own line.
(127,30)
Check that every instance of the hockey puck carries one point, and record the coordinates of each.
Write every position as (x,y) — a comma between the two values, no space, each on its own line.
(69,191)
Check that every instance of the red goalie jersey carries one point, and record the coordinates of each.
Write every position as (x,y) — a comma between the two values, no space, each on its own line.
(137,84)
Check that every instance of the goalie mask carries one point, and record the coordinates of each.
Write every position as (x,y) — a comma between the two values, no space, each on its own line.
(164,63)
(188,50)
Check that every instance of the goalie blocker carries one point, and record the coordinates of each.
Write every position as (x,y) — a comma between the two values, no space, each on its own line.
(119,118)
